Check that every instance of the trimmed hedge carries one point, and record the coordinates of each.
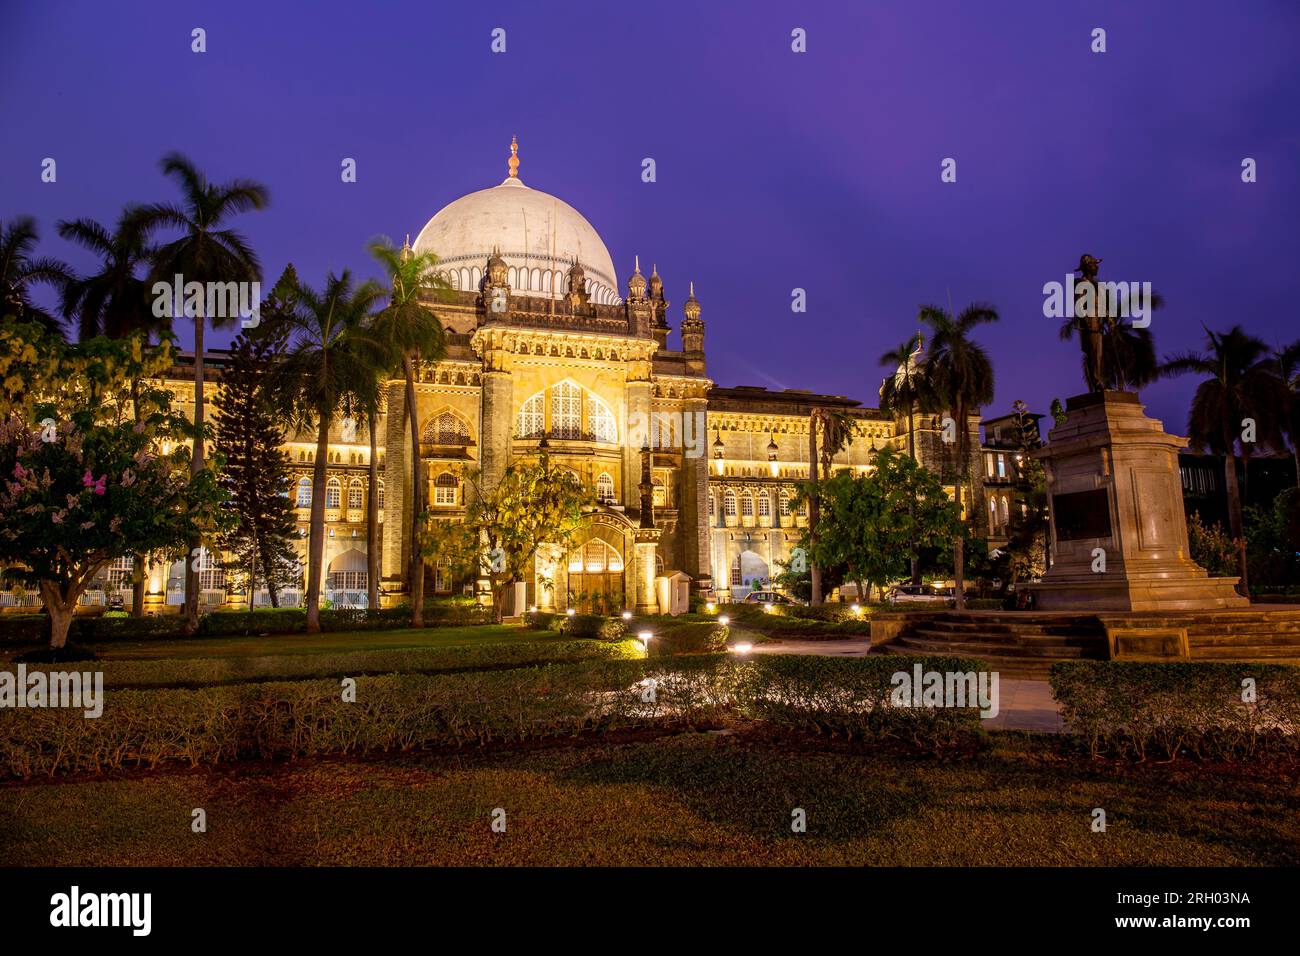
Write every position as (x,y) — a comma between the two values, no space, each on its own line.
(687,637)
(35,628)
(1163,710)
(202,672)
(851,697)
(147,728)
(592,627)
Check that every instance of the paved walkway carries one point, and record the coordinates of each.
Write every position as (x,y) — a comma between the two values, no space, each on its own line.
(1023,704)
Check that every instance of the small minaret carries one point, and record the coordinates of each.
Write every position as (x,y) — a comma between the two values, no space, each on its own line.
(576,296)
(659,305)
(494,289)
(693,334)
(640,314)
(513,162)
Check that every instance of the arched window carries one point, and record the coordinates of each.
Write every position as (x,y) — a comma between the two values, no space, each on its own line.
(356,494)
(605,487)
(660,493)
(712,506)
(729,505)
(532,420)
(446,429)
(566,411)
(601,421)
(333,493)
(1006,510)
(211,575)
(444,490)
(747,505)
(304,493)
(993,512)
(381,495)
(764,507)
(785,504)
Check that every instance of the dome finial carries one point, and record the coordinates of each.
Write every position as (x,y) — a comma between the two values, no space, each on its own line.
(513,163)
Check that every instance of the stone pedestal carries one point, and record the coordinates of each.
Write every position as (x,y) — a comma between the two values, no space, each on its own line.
(647,600)
(1118,531)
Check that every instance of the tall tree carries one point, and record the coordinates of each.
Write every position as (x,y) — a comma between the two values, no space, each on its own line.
(906,392)
(254,470)
(1288,369)
(960,374)
(326,365)
(114,301)
(207,251)
(411,332)
(829,432)
(20,270)
(84,482)
(1236,408)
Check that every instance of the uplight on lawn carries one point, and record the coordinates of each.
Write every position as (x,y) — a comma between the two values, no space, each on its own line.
(710,607)
(645,637)
(724,620)
(571,612)
(627,615)
(767,608)
(857,609)
(741,648)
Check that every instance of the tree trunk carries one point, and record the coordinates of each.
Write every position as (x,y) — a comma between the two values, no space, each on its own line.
(137,586)
(196,465)
(1235,521)
(959,543)
(417,498)
(316,534)
(911,452)
(62,606)
(372,518)
(814,572)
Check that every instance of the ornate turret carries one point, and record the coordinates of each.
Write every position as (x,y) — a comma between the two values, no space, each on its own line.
(495,287)
(659,305)
(640,313)
(692,325)
(576,283)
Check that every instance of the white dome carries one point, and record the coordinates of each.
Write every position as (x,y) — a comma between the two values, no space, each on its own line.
(536,234)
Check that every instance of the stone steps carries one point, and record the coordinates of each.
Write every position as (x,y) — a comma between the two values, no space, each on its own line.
(941,645)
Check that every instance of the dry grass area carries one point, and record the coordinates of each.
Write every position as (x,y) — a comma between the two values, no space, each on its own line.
(685,799)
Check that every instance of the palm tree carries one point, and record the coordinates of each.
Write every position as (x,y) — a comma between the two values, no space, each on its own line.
(1242,382)
(837,430)
(114,302)
(19,271)
(207,251)
(410,332)
(960,374)
(1288,368)
(905,392)
(325,371)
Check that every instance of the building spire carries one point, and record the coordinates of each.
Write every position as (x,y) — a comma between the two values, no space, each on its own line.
(513,162)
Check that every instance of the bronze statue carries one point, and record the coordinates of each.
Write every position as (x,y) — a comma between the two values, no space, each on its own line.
(1092,323)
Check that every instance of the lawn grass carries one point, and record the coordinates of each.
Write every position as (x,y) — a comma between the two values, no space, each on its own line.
(698,798)
(326,643)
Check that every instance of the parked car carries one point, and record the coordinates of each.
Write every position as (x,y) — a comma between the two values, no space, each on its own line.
(769,597)
(915,594)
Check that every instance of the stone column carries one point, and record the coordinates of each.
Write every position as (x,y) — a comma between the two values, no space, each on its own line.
(498,424)
(395,542)
(637,431)
(647,602)
(695,499)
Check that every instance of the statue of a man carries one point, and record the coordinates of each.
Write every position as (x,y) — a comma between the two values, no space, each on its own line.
(1092,322)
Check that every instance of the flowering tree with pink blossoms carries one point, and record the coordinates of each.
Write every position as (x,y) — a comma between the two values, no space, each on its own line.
(92,464)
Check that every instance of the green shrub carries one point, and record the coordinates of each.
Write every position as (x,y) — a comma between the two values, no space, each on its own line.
(199,672)
(688,637)
(1161,710)
(147,728)
(851,697)
(543,621)
(593,627)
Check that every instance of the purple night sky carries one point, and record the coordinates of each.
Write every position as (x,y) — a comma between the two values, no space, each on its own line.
(775,170)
